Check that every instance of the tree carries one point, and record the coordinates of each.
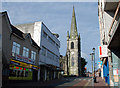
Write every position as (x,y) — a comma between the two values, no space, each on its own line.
(83,63)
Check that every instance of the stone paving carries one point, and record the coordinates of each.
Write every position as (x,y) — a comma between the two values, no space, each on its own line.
(82,82)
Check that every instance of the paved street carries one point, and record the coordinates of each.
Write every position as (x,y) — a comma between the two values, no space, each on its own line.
(70,82)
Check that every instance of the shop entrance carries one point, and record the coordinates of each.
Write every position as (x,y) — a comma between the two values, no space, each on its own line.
(35,75)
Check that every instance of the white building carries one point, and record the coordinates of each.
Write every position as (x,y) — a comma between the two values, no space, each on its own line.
(49,44)
(109,21)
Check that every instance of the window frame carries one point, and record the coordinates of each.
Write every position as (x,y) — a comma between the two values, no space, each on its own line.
(33,55)
(15,48)
(25,52)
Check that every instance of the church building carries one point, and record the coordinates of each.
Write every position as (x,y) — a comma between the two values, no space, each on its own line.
(73,54)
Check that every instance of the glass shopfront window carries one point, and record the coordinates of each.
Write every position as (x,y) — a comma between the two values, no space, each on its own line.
(20,74)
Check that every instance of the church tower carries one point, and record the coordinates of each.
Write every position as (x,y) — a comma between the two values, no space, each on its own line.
(73,49)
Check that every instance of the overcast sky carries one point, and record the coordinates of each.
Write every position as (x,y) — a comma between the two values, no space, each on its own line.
(57,17)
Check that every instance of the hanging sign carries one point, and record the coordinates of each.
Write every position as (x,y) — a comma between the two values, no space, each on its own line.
(103,51)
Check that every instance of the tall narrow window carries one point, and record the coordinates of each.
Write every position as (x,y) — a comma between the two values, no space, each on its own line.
(15,49)
(25,52)
(72,45)
(33,55)
(72,61)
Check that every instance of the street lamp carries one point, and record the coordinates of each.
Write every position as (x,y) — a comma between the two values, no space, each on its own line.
(94,64)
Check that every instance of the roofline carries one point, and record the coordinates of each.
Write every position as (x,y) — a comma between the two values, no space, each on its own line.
(50,31)
(6,15)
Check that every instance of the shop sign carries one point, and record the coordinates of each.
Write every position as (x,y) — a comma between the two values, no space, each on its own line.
(99,62)
(24,59)
(12,62)
(103,51)
(33,67)
(115,71)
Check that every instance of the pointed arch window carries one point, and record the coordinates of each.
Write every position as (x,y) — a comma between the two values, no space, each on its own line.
(72,45)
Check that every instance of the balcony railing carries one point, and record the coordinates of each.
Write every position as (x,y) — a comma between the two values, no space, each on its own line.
(114,25)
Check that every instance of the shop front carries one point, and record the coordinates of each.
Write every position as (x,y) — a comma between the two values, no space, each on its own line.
(20,70)
(48,72)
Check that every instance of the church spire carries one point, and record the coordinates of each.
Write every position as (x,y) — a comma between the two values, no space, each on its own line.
(73,32)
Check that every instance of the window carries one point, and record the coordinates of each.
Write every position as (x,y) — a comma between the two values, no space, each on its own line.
(15,49)
(72,45)
(50,55)
(25,52)
(44,34)
(56,58)
(43,51)
(33,55)
(51,41)
(72,61)
(57,46)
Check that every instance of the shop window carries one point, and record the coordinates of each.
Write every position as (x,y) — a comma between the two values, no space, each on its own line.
(15,49)
(22,74)
(33,55)
(25,52)
(26,74)
(18,73)
(12,72)
(72,45)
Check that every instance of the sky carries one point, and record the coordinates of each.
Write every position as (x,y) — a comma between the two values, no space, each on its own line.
(57,17)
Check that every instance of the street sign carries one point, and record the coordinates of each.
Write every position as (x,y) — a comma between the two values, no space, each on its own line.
(103,51)
(99,62)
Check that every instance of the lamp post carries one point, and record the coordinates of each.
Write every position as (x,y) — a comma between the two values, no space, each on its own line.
(92,67)
(94,64)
